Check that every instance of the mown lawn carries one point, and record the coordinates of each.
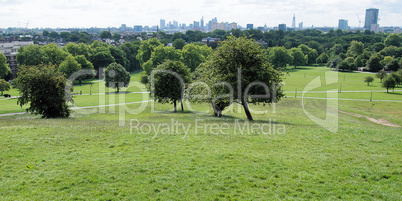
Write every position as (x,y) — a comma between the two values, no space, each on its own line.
(89,156)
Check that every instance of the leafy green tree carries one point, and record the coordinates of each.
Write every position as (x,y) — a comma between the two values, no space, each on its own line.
(78,49)
(54,35)
(299,59)
(4,69)
(120,56)
(131,50)
(279,57)
(116,76)
(347,64)
(43,88)
(334,62)
(116,37)
(393,40)
(54,54)
(389,83)
(146,49)
(65,35)
(45,33)
(322,59)
(381,75)
(179,44)
(311,53)
(393,65)
(105,35)
(193,55)
(356,48)
(386,61)
(32,55)
(336,49)
(168,88)
(4,86)
(391,51)
(69,66)
(159,55)
(396,77)
(359,61)
(368,79)
(377,47)
(101,58)
(244,56)
(374,64)
(84,37)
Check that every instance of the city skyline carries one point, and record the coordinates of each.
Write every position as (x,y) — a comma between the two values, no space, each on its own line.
(102,13)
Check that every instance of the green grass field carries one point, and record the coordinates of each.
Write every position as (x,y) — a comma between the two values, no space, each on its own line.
(193,155)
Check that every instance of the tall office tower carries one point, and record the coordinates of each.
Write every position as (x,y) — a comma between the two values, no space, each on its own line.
(162,24)
(301,25)
(343,24)
(250,26)
(175,24)
(371,19)
(214,26)
(215,20)
(202,23)
(233,25)
(196,25)
(294,21)
(282,27)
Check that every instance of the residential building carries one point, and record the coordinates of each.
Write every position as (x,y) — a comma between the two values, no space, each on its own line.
(371,19)
(10,50)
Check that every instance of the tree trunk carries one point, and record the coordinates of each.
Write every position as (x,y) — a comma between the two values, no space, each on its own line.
(246,109)
(181,102)
(387,90)
(175,106)
(213,108)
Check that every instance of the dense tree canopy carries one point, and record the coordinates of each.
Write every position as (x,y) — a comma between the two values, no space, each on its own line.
(4,69)
(116,76)
(43,88)
(241,57)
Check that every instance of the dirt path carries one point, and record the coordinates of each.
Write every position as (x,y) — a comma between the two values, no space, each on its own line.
(383,122)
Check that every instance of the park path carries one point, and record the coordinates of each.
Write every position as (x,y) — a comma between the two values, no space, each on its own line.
(383,122)
(86,107)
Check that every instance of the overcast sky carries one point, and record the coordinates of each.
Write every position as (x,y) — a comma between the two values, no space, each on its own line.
(113,13)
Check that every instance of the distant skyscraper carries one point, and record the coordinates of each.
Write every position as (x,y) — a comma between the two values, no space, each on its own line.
(282,27)
(343,24)
(138,28)
(175,24)
(162,24)
(371,18)
(233,25)
(250,26)
(214,26)
(202,23)
(196,25)
(301,25)
(294,21)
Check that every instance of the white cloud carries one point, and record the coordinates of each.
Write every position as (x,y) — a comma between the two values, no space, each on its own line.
(104,13)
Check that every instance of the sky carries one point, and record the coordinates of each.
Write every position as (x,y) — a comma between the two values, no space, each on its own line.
(113,13)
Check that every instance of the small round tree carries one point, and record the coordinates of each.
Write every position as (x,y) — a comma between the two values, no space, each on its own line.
(368,79)
(381,74)
(116,76)
(389,83)
(4,86)
(167,82)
